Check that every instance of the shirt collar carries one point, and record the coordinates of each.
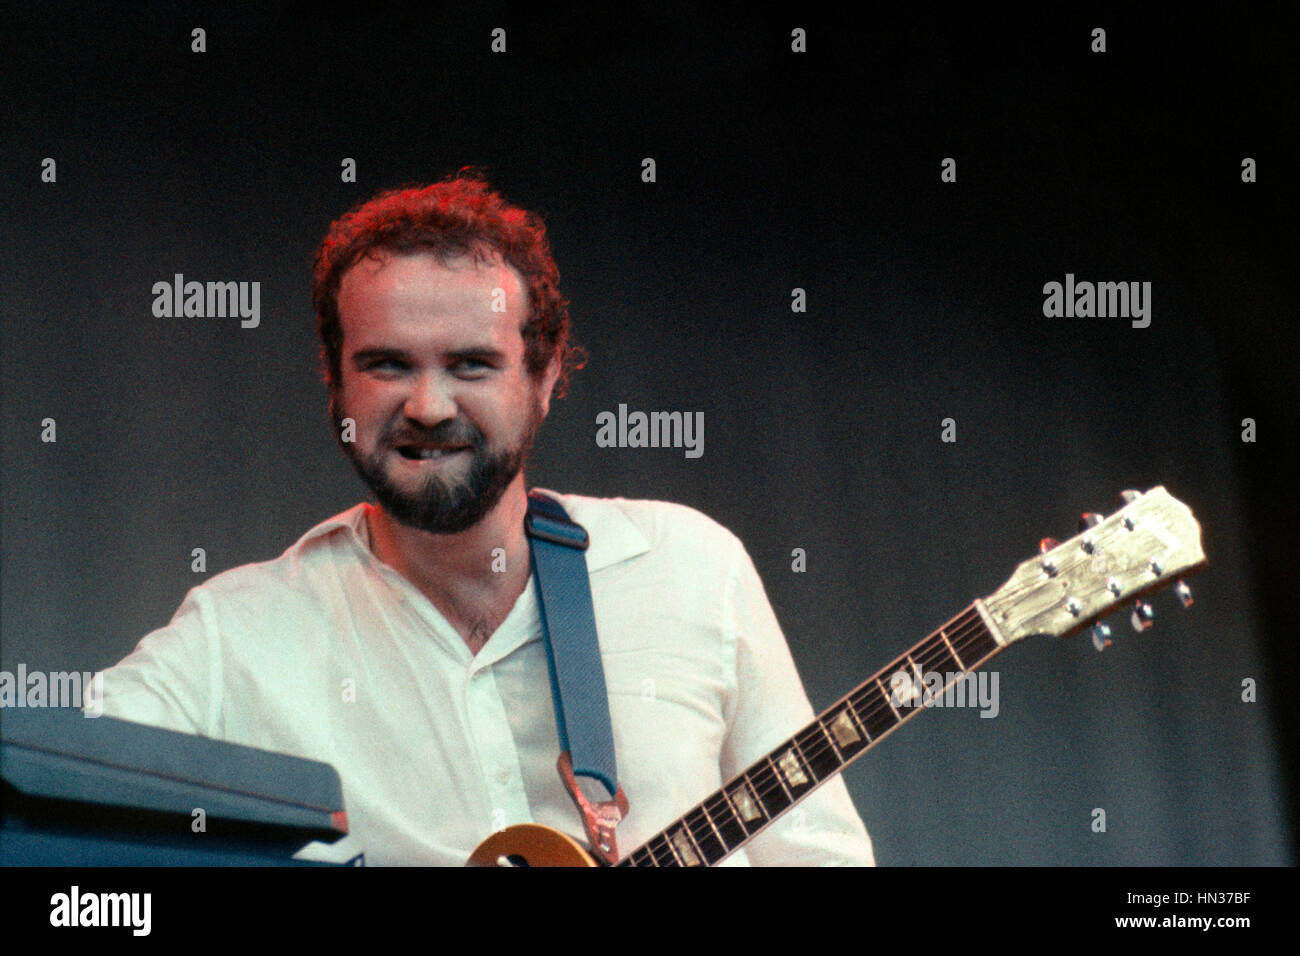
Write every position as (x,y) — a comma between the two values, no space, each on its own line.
(351,522)
(613,536)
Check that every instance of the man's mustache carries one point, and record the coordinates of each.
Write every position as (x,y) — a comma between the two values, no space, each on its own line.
(444,433)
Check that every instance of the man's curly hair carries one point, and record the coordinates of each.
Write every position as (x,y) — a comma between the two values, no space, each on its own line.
(461,215)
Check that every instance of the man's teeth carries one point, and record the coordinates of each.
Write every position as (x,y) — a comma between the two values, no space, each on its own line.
(428,453)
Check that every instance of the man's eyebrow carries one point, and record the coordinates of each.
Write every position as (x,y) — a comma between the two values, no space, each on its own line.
(484,353)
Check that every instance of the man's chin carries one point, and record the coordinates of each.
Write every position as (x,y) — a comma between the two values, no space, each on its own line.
(436,506)
(445,517)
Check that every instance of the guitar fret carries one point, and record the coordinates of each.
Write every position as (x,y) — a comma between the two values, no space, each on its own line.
(944,662)
(776,774)
(908,685)
(769,788)
(663,851)
(713,845)
(952,650)
(898,718)
(725,819)
(839,754)
(879,720)
(856,714)
(818,751)
(700,829)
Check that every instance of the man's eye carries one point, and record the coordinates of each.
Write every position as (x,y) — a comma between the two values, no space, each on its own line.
(472,366)
(387,365)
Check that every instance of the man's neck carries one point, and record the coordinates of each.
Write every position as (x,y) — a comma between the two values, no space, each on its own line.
(472,583)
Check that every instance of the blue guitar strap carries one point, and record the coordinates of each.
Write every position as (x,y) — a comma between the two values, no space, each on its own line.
(557,549)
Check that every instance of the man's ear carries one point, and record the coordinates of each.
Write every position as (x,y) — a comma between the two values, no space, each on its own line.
(547,384)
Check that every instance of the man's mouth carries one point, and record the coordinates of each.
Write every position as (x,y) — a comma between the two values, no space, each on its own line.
(429,452)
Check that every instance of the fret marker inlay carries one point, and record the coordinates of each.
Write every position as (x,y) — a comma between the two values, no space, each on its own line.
(791,770)
(843,730)
(743,799)
(682,843)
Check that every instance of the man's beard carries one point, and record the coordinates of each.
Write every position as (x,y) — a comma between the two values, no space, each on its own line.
(438,507)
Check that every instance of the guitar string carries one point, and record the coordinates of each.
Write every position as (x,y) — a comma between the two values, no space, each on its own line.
(967,628)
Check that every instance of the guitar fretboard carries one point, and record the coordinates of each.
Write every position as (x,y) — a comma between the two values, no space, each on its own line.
(739,811)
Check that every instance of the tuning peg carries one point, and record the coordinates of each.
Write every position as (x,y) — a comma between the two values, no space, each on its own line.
(1100,636)
(1130,496)
(1183,593)
(1044,546)
(1089,519)
(1143,616)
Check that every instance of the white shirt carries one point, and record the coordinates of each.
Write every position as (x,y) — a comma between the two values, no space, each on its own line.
(329,654)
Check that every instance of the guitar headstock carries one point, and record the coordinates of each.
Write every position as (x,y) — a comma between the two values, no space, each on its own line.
(1115,562)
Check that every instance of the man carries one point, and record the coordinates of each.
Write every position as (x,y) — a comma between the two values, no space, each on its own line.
(402,642)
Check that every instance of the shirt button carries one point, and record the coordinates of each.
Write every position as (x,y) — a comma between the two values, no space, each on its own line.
(503,776)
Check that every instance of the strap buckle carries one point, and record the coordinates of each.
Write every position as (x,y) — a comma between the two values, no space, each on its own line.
(601,818)
(556,531)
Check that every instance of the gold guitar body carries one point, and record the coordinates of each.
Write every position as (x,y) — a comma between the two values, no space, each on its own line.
(530,844)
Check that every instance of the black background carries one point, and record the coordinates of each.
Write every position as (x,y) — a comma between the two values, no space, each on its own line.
(775,170)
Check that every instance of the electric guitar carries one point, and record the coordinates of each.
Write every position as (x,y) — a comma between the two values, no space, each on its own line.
(1142,548)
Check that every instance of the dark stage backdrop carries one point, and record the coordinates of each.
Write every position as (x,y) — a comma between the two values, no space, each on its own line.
(774,170)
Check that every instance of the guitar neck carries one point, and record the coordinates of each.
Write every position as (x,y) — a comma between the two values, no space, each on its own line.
(742,809)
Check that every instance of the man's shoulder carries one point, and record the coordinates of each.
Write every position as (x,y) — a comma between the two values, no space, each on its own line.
(625,527)
(313,561)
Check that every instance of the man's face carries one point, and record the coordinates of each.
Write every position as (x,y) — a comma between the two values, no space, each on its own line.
(434,378)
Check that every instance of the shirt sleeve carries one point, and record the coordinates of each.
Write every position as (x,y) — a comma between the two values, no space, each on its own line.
(172,678)
(766,707)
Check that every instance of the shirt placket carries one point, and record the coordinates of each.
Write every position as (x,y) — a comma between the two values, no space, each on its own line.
(487,725)
(494,744)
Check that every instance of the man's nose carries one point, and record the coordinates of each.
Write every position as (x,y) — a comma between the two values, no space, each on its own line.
(430,400)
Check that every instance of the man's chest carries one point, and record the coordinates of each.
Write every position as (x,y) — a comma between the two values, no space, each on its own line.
(436,748)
